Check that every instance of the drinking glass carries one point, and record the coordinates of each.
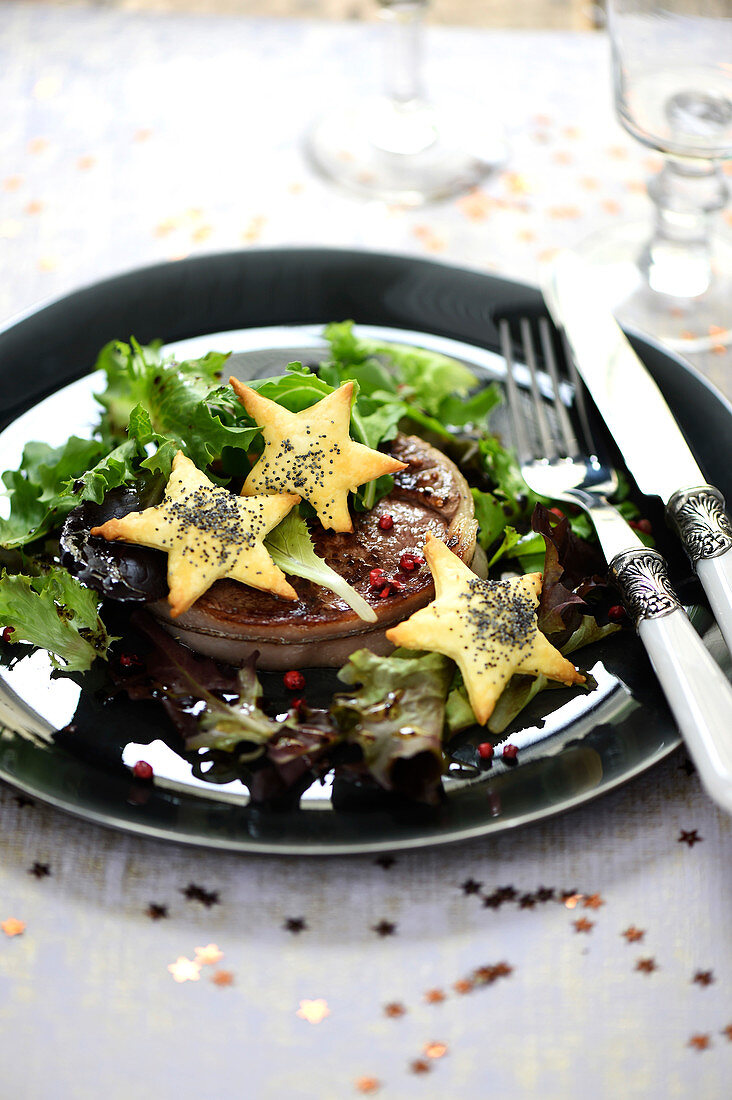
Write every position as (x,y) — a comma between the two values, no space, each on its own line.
(399,146)
(672,77)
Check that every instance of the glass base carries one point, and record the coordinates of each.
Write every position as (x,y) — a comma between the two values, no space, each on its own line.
(698,322)
(407,154)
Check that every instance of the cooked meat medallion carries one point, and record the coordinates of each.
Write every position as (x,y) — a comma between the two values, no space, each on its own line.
(231,620)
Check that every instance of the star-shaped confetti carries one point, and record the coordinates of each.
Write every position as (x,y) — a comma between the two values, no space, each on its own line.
(312,454)
(703,977)
(463,986)
(527,901)
(156,912)
(419,1066)
(13,927)
(493,901)
(435,1050)
(185,970)
(700,1042)
(314,1011)
(295,925)
(222,977)
(690,837)
(571,899)
(592,901)
(368,1085)
(208,955)
(633,934)
(727,1032)
(385,861)
(193,892)
(470,886)
(545,893)
(646,966)
(394,1009)
(384,928)
(208,533)
(582,924)
(434,996)
(489,628)
(39,870)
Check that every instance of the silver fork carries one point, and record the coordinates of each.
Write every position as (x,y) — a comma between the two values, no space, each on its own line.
(554,465)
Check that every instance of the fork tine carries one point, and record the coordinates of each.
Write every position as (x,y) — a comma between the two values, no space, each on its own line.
(547,440)
(520,435)
(569,439)
(579,400)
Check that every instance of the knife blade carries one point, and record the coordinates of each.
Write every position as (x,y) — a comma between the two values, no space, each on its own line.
(638,417)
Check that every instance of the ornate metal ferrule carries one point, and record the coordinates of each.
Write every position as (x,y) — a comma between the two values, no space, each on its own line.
(699,519)
(642,578)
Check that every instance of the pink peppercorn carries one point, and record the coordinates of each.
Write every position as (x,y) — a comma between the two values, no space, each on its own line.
(293,680)
(509,752)
(617,613)
(485,750)
(7,634)
(142,770)
(385,522)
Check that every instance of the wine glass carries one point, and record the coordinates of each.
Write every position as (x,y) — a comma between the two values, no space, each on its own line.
(672,77)
(399,146)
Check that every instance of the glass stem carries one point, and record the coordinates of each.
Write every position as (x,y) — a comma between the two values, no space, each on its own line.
(403,55)
(687,194)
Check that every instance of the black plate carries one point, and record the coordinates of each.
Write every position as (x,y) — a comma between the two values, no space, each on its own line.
(588,743)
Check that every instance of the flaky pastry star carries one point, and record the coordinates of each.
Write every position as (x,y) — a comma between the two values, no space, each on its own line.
(311,453)
(207,533)
(489,628)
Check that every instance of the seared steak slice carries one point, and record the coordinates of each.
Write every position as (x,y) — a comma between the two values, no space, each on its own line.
(231,620)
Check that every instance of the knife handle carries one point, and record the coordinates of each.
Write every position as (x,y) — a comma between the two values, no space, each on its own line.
(696,689)
(705,529)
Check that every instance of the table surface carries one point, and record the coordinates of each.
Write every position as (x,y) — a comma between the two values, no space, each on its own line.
(603,967)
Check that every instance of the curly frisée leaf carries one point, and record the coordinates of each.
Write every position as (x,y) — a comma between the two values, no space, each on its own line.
(57,613)
(291,548)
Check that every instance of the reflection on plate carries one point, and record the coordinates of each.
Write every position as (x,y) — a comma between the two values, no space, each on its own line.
(269,308)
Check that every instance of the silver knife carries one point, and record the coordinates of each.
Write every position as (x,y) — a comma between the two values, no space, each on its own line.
(644,428)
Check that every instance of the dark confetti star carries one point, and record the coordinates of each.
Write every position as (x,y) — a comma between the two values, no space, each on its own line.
(40,870)
(527,901)
(295,925)
(23,800)
(193,892)
(544,893)
(156,912)
(507,893)
(700,1042)
(690,837)
(470,886)
(486,975)
(419,1065)
(385,861)
(493,901)
(703,977)
(646,966)
(384,928)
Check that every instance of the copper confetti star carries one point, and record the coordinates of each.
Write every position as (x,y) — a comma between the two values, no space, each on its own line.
(703,977)
(434,996)
(582,924)
(646,966)
(435,1050)
(313,1011)
(592,901)
(222,977)
(368,1085)
(727,1031)
(13,927)
(464,985)
(394,1009)
(185,970)
(700,1042)
(633,934)
(420,1066)
(208,955)
(571,899)
(690,837)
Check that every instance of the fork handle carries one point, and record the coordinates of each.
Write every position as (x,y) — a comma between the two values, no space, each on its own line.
(705,529)
(696,689)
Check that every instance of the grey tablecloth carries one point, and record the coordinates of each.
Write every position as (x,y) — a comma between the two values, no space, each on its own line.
(585,956)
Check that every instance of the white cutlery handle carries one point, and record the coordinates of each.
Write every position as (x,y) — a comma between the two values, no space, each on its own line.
(697,691)
(699,695)
(706,532)
(716,577)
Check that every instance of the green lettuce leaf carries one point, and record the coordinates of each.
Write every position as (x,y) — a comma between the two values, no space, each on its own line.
(291,548)
(57,613)
(397,717)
